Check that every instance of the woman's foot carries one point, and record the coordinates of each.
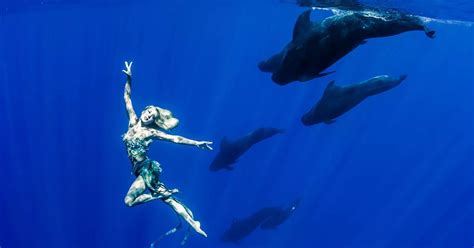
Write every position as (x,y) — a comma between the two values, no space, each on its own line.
(196,225)
(186,214)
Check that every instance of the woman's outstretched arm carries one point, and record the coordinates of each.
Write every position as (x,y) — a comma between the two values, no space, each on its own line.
(156,134)
(126,95)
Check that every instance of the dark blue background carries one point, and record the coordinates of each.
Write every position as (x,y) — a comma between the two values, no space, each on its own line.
(397,171)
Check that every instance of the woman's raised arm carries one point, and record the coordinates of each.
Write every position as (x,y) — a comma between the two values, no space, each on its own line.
(126,95)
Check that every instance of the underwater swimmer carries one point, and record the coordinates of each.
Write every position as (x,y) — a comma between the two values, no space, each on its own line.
(140,134)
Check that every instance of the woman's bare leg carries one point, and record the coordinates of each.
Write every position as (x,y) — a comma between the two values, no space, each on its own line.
(187,215)
(136,194)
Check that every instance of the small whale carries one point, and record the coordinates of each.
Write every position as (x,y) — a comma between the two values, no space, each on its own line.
(230,151)
(318,45)
(267,218)
(337,100)
(281,216)
(240,229)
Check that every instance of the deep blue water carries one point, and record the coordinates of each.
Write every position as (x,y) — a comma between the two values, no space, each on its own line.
(397,171)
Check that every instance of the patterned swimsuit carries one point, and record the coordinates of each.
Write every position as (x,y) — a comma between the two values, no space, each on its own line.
(149,169)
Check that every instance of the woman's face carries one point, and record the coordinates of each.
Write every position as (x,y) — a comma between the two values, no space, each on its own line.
(149,115)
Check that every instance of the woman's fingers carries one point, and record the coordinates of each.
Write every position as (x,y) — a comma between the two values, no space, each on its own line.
(128,68)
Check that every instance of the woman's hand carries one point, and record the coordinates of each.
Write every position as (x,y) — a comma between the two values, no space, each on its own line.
(204,145)
(128,68)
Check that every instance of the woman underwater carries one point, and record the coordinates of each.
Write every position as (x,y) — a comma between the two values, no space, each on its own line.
(140,134)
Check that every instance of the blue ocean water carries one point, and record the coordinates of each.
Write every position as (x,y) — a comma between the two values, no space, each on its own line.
(397,171)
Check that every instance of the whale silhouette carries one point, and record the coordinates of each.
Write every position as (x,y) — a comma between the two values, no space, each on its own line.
(230,151)
(318,45)
(337,100)
(266,218)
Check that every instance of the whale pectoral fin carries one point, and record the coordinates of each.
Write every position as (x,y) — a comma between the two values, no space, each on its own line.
(329,121)
(403,77)
(305,78)
(325,74)
(302,24)
(330,84)
(430,32)
(329,88)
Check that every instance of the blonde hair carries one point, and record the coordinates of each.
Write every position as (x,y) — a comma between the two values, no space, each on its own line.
(165,119)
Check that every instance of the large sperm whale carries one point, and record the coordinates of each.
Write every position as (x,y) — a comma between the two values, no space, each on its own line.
(317,45)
